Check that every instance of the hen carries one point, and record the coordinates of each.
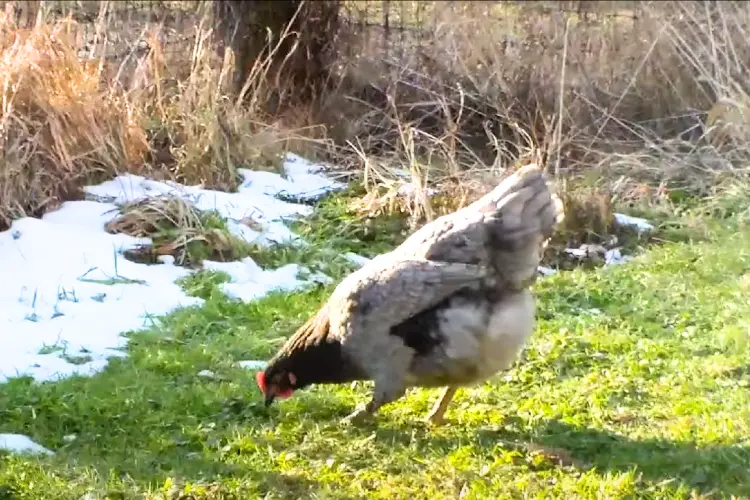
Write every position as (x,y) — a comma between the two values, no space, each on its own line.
(449,307)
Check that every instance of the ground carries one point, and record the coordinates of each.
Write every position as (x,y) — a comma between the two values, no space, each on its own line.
(635,385)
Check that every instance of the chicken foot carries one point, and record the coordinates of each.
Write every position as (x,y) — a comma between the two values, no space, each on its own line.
(390,385)
(380,398)
(436,415)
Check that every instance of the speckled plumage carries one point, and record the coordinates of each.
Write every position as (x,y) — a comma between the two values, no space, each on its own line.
(450,306)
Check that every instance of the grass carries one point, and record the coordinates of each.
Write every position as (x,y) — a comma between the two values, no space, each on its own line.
(636,383)
(338,222)
(634,386)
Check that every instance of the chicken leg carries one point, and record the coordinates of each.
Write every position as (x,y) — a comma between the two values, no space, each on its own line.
(438,411)
(390,384)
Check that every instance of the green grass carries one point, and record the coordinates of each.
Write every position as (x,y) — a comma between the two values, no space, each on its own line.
(335,225)
(636,385)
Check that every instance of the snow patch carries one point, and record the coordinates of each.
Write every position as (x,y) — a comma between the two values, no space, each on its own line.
(68,293)
(18,443)
(614,256)
(409,190)
(641,225)
(357,260)
(249,281)
(546,271)
(256,198)
(610,256)
(253,364)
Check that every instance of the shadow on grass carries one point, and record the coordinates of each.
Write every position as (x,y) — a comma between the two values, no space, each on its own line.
(711,470)
(236,439)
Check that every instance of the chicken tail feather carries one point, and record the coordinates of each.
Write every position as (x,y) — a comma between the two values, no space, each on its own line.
(520,216)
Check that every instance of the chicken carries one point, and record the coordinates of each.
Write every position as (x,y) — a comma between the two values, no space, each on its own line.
(450,307)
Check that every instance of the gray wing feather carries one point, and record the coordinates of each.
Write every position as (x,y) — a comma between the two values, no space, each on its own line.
(395,291)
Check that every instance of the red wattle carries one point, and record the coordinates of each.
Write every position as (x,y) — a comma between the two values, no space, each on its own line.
(260,378)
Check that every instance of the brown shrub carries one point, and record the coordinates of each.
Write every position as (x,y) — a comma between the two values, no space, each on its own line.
(59,129)
(490,82)
(650,92)
(79,108)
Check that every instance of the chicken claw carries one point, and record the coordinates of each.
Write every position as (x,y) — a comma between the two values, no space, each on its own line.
(358,417)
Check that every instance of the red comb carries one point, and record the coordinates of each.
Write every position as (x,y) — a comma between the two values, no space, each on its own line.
(260,378)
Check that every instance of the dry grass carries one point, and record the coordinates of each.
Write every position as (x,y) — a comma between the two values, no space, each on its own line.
(142,219)
(648,98)
(176,228)
(59,128)
(589,215)
(81,104)
(199,134)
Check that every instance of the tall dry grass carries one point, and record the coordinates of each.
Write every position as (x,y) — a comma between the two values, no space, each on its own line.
(641,100)
(77,109)
(655,92)
(58,128)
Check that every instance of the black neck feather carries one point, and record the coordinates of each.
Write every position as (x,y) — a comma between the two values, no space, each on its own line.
(316,357)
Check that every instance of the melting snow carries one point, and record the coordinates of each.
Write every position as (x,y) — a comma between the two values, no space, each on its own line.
(249,282)
(18,443)
(612,255)
(252,364)
(356,259)
(68,293)
(546,271)
(256,198)
(642,225)
(408,189)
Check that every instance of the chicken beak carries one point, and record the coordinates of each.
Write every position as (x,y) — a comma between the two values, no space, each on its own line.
(270,396)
